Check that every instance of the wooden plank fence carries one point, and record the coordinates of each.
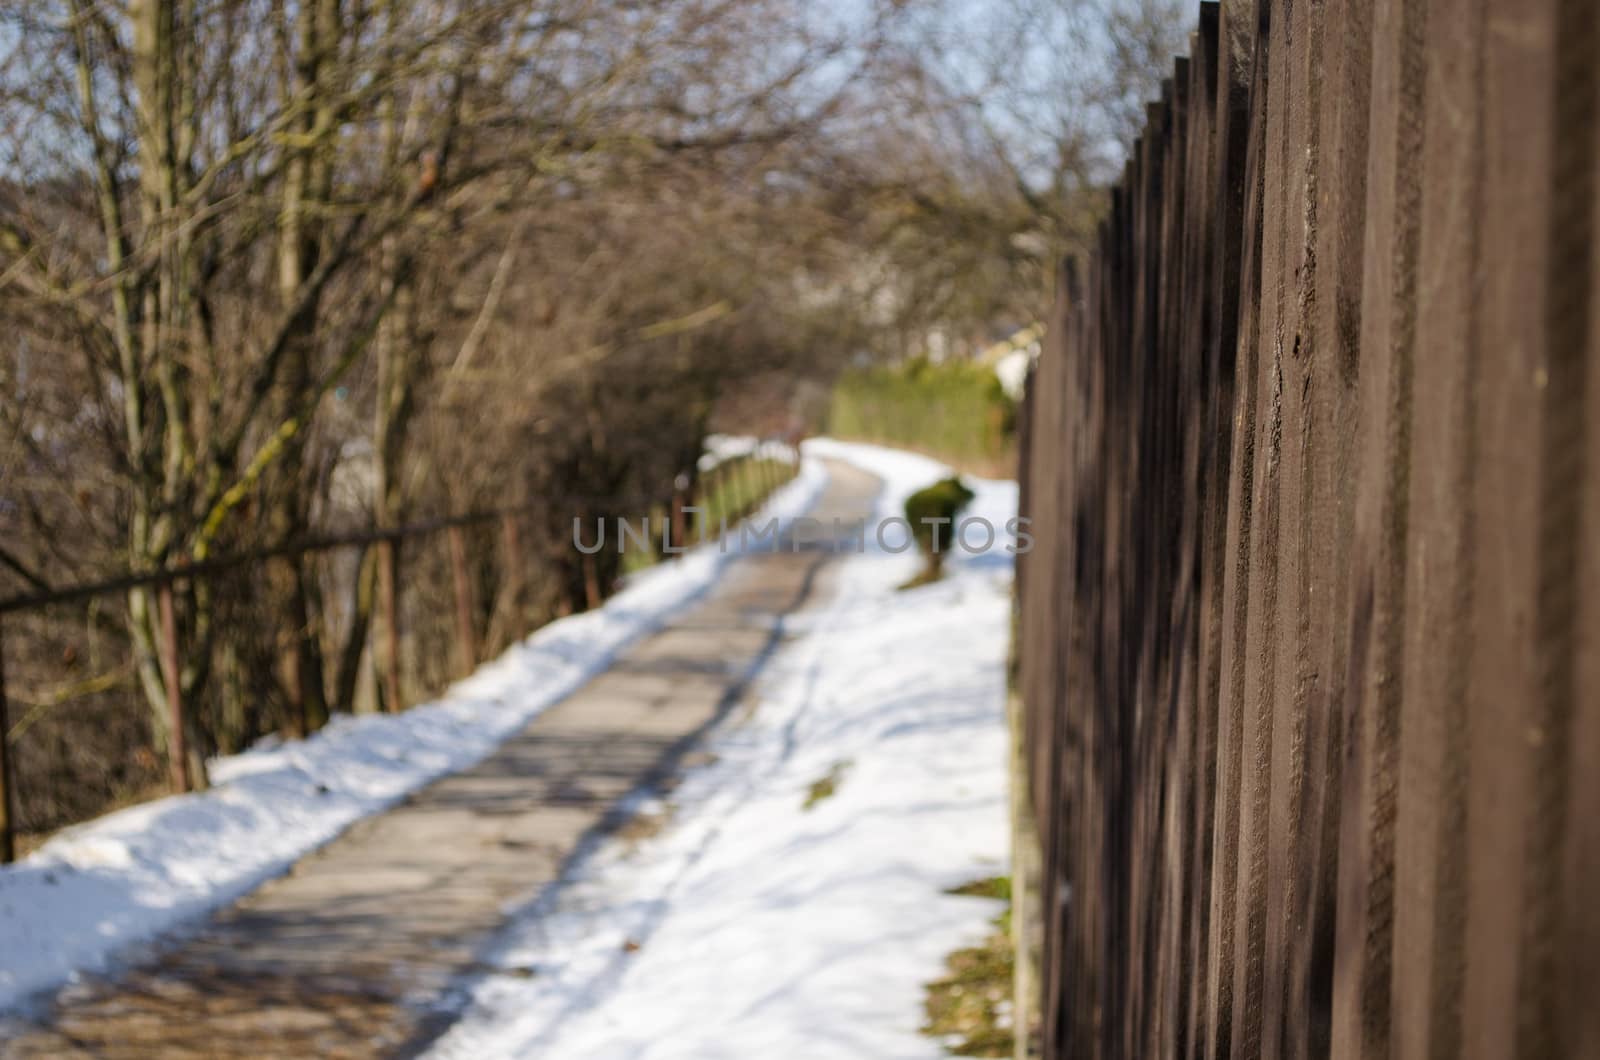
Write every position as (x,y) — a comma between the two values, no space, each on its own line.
(1310,638)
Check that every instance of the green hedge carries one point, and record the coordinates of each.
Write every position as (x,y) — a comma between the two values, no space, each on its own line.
(956,411)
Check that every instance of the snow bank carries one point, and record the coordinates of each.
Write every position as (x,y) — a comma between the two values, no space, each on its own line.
(128,877)
(720,448)
(752,926)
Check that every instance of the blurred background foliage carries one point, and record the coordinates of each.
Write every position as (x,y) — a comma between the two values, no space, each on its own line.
(956,411)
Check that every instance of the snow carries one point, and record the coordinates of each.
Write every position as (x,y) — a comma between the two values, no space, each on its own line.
(751,925)
(96,890)
(720,448)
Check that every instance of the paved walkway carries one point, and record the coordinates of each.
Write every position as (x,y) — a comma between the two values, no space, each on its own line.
(359,950)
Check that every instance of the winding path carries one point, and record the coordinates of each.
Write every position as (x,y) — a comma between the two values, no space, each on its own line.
(363,948)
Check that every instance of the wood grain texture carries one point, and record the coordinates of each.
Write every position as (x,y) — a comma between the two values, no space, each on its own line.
(1309,643)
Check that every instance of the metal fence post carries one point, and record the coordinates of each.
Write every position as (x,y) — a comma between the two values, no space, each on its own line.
(699,493)
(388,602)
(749,486)
(8,843)
(466,639)
(680,525)
(516,572)
(177,751)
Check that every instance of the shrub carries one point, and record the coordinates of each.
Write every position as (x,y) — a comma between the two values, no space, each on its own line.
(932,513)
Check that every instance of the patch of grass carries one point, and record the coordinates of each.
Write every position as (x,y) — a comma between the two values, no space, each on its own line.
(825,786)
(990,887)
(969,1007)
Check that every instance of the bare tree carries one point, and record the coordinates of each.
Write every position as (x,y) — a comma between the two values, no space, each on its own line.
(225,225)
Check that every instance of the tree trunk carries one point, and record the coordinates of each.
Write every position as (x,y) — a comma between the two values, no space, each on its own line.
(307,184)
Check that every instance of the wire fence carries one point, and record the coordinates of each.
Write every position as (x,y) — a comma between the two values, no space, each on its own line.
(724,490)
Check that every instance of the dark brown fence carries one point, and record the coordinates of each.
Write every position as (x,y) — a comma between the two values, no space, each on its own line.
(1310,642)
(728,491)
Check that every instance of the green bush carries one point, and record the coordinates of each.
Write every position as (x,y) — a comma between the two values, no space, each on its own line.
(932,513)
(956,411)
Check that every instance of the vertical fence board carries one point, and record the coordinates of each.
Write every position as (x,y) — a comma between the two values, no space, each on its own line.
(1264,389)
(1289,677)
(1236,567)
(1578,1017)
(1174,734)
(1429,921)
(1332,411)
(1362,973)
(1507,722)
(1566,84)
(1192,752)
(1228,183)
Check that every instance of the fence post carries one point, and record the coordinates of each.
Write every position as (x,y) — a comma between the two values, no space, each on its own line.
(177,751)
(591,583)
(511,542)
(388,601)
(714,499)
(749,486)
(680,526)
(466,640)
(8,843)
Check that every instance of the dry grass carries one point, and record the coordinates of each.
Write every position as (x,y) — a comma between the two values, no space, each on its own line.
(969,1007)
(825,786)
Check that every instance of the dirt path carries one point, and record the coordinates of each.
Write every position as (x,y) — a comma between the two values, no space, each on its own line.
(362,948)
